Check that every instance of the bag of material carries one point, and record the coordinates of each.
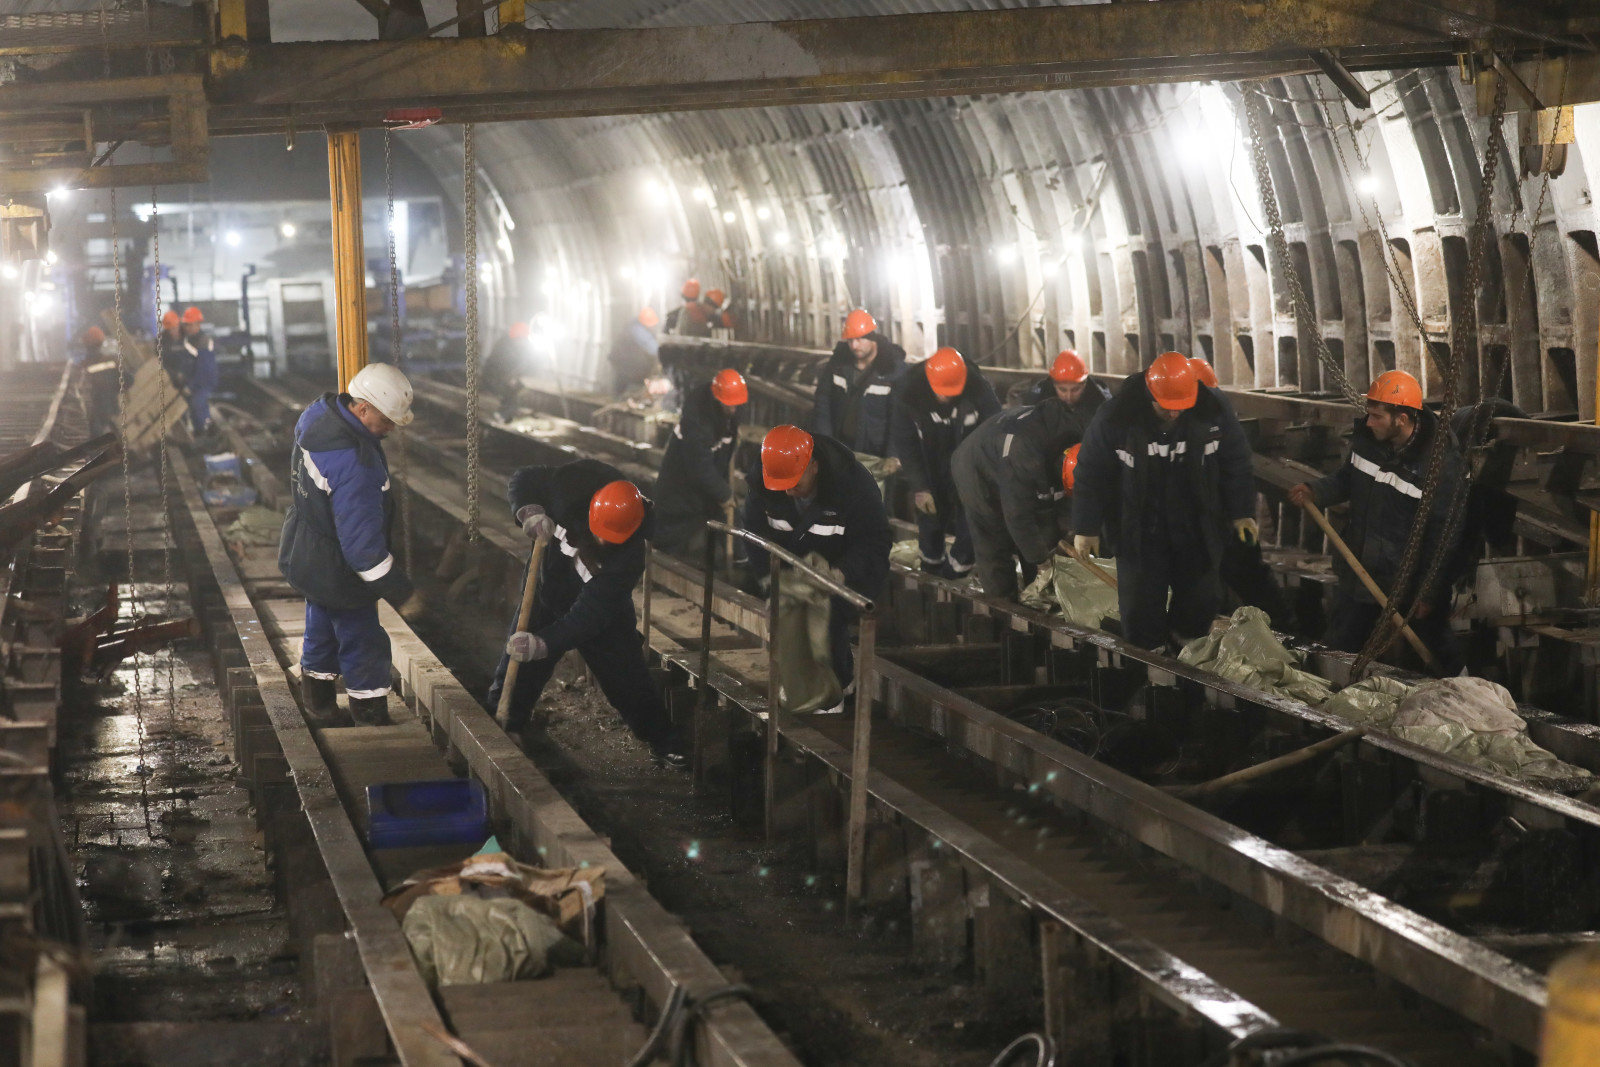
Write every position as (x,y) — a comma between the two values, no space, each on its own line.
(906,554)
(566,895)
(1246,651)
(467,940)
(1370,702)
(880,467)
(1476,721)
(1064,583)
(255,526)
(806,681)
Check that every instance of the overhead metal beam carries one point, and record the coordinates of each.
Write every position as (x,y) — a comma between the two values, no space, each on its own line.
(611,71)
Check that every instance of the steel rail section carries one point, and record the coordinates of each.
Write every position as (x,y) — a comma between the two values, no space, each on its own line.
(403,997)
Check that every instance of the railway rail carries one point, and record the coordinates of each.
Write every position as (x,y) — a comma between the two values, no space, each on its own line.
(1370,898)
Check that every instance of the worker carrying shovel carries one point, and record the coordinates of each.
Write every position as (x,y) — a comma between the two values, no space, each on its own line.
(1381,479)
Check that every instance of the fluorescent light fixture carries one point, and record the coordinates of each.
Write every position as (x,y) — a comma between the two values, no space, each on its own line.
(728,216)
(1006,253)
(142,213)
(763,213)
(780,238)
(702,194)
(287,229)
(233,238)
(1367,183)
(60,192)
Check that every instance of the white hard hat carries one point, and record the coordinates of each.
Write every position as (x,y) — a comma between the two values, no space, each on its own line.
(385,388)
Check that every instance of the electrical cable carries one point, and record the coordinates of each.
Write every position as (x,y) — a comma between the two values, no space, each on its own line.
(671,1037)
(1044,1052)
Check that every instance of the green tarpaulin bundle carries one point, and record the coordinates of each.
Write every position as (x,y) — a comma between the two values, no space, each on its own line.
(1065,583)
(806,681)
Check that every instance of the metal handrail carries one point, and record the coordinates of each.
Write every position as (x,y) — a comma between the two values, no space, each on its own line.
(843,592)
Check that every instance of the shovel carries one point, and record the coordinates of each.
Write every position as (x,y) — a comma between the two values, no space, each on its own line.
(524,614)
(1088,564)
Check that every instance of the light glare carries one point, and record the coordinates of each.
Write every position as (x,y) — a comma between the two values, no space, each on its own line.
(233,238)
(287,229)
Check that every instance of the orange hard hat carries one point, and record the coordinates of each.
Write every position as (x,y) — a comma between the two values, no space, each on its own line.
(94,335)
(1069,469)
(728,386)
(715,297)
(691,289)
(169,319)
(1398,388)
(517,331)
(616,511)
(1172,382)
(648,318)
(1203,371)
(859,323)
(192,315)
(947,372)
(1069,367)
(785,455)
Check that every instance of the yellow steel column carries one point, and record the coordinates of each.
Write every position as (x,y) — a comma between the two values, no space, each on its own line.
(349,255)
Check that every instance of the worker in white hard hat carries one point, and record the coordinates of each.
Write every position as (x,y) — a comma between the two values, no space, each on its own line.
(336,544)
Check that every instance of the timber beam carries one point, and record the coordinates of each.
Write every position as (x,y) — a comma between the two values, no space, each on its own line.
(253,87)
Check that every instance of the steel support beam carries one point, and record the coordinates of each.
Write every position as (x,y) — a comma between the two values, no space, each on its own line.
(608,71)
(349,256)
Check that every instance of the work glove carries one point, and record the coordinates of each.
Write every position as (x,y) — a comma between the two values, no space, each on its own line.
(1247,531)
(891,465)
(1086,545)
(525,647)
(535,523)
(413,609)
(923,502)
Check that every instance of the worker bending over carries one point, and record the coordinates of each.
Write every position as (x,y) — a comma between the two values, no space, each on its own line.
(813,495)
(202,363)
(1164,476)
(695,480)
(934,411)
(1008,475)
(1382,480)
(335,549)
(597,524)
(175,359)
(855,387)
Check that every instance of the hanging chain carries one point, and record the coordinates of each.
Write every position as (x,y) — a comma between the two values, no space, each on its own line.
(163,473)
(1464,344)
(1259,113)
(397,349)
(124,386)
(469,206)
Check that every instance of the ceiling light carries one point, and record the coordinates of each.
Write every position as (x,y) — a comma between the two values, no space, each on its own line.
(51,258)
(1367,183)
(702,194)
(60,192)
(1074,245)
(233,238)
(486,272)
(780,238)
(142,213)
(287,229)
(9,272)
(1048,267)
(1006,253)
(548,287)
(626,270)
(728,216)
(763,213)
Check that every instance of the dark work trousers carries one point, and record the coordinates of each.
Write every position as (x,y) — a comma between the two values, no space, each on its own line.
(1352,622)
(993,549)
(1247,574)
(844,660)
(1148,620)
(616,659)
(349,642)
(931,533)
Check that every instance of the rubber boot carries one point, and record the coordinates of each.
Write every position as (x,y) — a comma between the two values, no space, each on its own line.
(370,711)
(321,699)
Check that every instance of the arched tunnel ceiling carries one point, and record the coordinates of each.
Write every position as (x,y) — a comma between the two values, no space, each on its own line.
(1120,221)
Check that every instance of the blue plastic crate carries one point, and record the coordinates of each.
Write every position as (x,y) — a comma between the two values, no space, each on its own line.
(222,464)
(447,811)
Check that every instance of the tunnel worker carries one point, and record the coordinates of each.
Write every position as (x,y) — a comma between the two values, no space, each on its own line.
(597,524)
(1068,381)
(935,409)
(1008,476)
(509,359)
(202,352)
(1382,480)
(336,543)
(813,495)
(694,318)
(99,382)
(175,358)
(635,355)
(695,484)
(855,387)
(1164,477)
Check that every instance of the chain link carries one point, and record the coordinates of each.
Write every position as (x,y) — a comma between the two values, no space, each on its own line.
(1258,112)
(1464,343)
(469,207)
(163,474)
(397,349)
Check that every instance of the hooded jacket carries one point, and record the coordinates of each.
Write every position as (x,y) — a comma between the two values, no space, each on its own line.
(1383,487)
(335,544)
(1017,458)
(853,406)
(925,431)
(585,583)
(693,483)
(846,522)
(1136,477)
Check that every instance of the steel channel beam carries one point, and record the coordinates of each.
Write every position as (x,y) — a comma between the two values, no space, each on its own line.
(402,995)
(1168,978)
(1482,986)
(613,71)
